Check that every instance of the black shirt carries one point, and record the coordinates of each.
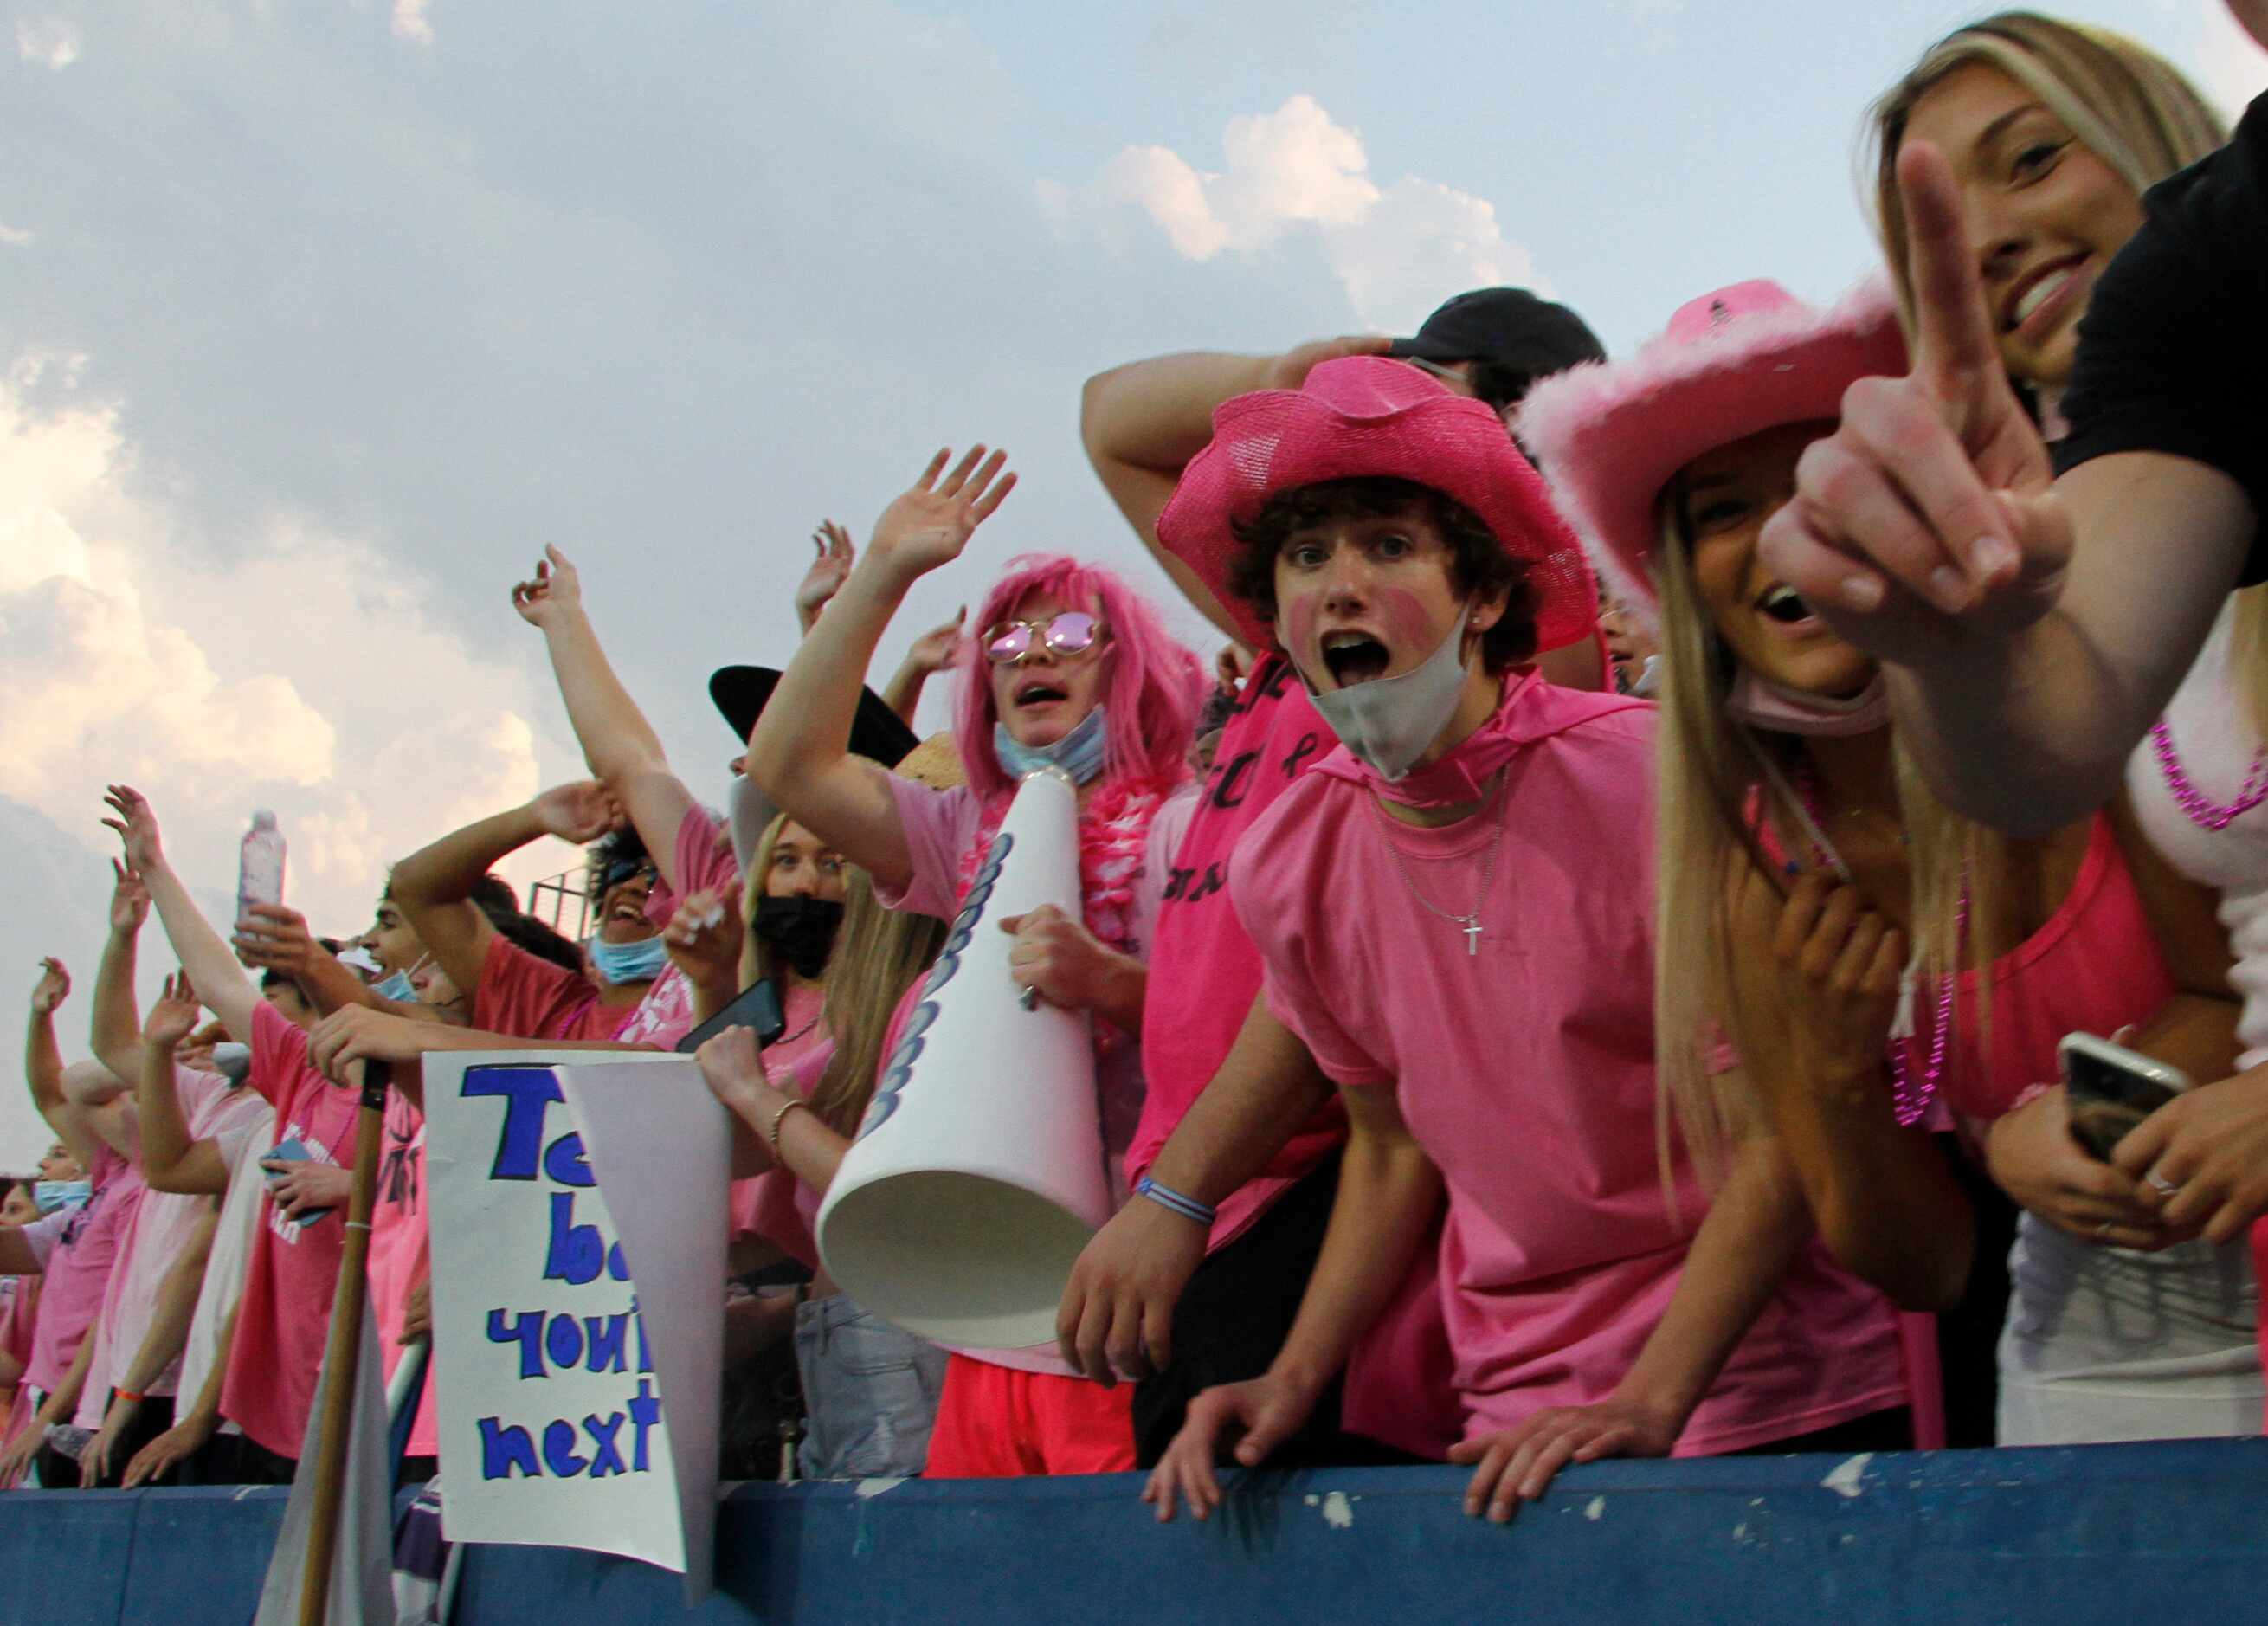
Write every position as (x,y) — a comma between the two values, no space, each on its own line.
(2173,352)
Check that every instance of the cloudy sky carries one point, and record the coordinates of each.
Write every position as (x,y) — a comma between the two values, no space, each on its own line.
(317,318)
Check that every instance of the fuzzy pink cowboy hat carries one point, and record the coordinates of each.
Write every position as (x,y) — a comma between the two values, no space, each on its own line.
(1366,416)
(1733,364)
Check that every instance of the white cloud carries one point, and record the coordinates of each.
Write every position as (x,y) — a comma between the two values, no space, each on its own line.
(304,677)
(14,237)
(51,42)
(410,21)
(1397,251)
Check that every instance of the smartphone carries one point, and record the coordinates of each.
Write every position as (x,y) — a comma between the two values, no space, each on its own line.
(2112,1090)
(758,1007)
(292,1151)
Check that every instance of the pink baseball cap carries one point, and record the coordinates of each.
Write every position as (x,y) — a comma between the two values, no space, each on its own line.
(1732,363)
(1367,416)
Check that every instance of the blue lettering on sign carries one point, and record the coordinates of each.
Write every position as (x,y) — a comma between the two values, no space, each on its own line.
(527,1092)
(505,1448)
(547,1343)
(559,1450)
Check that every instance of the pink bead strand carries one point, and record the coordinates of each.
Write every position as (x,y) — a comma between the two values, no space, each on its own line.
(2203,811)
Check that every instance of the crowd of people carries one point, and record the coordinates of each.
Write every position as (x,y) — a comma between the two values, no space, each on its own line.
(1582,971)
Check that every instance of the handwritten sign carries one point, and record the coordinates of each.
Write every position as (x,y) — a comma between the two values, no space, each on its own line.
(578,1220)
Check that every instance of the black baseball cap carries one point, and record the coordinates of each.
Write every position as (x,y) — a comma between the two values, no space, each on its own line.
(1509,326)
(876,731)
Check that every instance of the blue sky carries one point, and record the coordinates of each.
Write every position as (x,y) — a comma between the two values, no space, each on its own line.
(318,318)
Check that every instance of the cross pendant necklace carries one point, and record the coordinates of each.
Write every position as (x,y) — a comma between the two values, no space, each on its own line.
(1468,923)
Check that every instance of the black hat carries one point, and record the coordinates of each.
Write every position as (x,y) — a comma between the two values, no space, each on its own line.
(1508,327)
(876,732)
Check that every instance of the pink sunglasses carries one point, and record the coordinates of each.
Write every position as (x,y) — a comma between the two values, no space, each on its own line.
(1072,632)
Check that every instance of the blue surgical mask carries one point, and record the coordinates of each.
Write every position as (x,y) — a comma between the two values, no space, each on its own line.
(629,961)
(396,987)
(1079,753)
(53,1195)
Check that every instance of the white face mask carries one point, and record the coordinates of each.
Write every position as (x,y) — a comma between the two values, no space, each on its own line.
(748,810)
(1763,705)
(1388,722)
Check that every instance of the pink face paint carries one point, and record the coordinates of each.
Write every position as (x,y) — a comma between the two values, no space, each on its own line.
(1411,632)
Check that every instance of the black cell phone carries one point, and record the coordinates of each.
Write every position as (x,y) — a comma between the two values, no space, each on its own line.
(758,1007)
(2112,1090)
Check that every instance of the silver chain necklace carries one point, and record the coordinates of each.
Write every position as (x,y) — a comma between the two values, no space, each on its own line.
(1470,921)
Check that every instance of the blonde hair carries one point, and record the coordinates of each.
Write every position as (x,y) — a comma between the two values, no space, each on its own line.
(755,954)
(2121,101)
(1713,797)
(878,954)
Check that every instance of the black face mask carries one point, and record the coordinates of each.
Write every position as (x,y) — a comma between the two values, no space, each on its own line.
(800,930)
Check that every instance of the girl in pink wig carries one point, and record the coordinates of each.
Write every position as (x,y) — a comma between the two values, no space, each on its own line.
(1070,669)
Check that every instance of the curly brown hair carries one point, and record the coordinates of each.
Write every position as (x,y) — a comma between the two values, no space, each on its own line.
(1478,566)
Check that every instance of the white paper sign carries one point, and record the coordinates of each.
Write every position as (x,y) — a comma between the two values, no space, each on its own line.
(578,1221)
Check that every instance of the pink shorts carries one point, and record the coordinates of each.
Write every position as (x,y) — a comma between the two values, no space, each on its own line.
(996,1423)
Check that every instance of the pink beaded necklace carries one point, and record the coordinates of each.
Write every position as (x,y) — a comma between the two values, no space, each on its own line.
(1910,1097)
(2204,812)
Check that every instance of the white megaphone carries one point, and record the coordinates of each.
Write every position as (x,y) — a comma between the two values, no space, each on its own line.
(979,1171)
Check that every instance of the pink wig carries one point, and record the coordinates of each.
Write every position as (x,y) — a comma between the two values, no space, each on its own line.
(1151,695)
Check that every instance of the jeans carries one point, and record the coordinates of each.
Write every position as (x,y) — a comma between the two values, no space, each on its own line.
(870,1390)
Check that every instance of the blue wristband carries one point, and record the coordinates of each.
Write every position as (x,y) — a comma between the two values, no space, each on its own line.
(1167,1197)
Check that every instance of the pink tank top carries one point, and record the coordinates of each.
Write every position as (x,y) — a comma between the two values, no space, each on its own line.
(2094,967)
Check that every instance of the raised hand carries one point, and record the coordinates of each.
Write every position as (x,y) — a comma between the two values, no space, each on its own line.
(137,827)
(274,938)
(174,1018)
(1928,517)
(1516,1464)
(932,522)
(129,900)
(937,649)
(53,987)
(1817,973)
(1290,370)
(704,938)
(827,572)
(555,590)
(579,811)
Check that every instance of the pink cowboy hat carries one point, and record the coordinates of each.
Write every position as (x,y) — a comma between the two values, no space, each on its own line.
(1366,416)
(1733,364)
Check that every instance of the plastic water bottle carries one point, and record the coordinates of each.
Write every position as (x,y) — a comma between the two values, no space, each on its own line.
(259,865)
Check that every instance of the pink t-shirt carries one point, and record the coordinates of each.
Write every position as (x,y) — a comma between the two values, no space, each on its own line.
(529,997)
(1525,1071)
(2094,967)
(1204,973)
(288,1286)
(399,1251)
(163,1223)
(78,1249)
